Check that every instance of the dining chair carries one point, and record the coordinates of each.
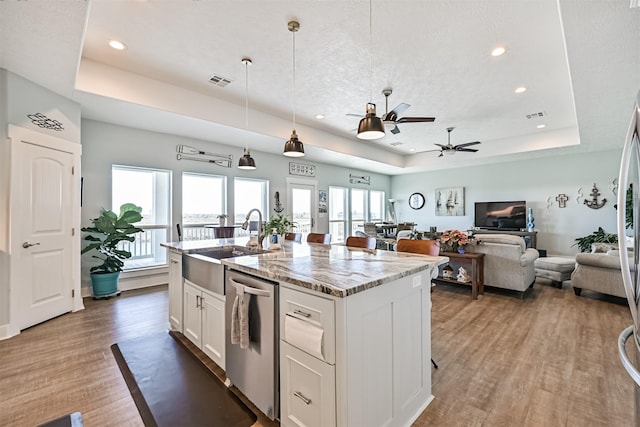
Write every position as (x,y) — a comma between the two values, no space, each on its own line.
(361,242)
(319,238)
(296,237)
(424,247)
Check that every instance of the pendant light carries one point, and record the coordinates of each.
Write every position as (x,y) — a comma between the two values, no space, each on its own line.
(293,147)
(246,162)
(371,126)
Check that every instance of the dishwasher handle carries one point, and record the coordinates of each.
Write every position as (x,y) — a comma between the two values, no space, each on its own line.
(249,290)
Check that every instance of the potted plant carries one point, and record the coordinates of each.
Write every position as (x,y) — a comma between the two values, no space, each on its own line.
(454,241)
(599,236)
(222,219)
(281,223)
(107,232)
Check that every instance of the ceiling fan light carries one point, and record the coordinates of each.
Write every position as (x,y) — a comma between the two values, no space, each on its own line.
(371,126)
(246,162)
(293,147)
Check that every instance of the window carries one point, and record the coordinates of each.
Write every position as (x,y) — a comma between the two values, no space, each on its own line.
(337,213)
(376,206)
(249,194)
(359,209)
(203,199)
(151,190)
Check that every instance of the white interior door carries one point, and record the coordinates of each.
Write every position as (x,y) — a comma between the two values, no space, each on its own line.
(302,196)
(43,281)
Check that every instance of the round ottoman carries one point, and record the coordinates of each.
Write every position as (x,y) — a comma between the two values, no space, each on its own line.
(558,269)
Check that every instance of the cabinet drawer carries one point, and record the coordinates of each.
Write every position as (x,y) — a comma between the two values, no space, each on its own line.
(307,389)
(316,311)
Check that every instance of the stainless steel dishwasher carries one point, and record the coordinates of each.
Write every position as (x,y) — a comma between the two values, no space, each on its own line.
(254,370)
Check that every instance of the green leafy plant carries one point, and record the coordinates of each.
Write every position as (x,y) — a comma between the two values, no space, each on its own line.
(222,216)
(599,236)
(281,223)
(628,213)
(107,232)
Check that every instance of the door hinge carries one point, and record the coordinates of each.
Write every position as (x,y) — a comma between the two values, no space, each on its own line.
(73,293)
(73,170)
(73,231)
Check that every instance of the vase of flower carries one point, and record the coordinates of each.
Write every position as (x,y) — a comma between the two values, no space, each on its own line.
(454,241)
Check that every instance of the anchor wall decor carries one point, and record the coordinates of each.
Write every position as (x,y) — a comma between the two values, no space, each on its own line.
(593,203)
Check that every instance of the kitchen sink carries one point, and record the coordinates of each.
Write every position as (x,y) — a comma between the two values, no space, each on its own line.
(203,267)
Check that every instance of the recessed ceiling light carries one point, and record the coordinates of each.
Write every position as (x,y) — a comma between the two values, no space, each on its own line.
(319,116)
(520,89)
(117,44)
(541,126)
(498,51)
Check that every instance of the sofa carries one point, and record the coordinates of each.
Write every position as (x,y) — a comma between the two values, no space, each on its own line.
(599,271)
(508,264)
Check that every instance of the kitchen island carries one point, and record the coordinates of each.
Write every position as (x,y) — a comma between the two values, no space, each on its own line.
(370,309)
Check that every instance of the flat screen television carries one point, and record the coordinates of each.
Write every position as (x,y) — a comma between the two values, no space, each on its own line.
(508,216)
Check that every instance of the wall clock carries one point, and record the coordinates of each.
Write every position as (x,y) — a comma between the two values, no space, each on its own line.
(416,201)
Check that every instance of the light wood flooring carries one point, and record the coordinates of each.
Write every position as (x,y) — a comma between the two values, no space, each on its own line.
(548,360)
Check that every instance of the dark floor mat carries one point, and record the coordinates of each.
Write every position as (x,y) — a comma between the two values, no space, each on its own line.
(171,387)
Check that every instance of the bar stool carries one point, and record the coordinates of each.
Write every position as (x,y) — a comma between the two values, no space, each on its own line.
(361,242)
(319,238)
(296,237)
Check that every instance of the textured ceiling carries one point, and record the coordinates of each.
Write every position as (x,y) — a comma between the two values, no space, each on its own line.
(579,60)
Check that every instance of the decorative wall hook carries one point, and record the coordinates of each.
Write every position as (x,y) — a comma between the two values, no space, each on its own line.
(580,195)
(593,203)
(613,186)
(549,203)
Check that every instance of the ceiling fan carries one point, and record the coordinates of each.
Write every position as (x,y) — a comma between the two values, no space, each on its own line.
(451,149)
(390,118)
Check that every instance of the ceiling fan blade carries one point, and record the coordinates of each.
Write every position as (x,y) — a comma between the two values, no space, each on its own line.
(469,150)
(416,120)
(444,147)
(467,144)
(395,130)
(354,115)
(400,108)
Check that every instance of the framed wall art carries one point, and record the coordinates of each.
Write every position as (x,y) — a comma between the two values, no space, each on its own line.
(449,201)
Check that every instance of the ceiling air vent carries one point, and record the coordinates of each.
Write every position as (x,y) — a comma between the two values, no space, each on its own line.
(536,115)
(219,80)
(395,144)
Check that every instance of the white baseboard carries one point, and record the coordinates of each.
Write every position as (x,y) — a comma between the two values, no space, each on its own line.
(134,282)
(5,332)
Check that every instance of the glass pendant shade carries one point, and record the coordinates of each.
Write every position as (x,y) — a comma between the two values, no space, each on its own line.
(371,126)
(246,162)
(293,147)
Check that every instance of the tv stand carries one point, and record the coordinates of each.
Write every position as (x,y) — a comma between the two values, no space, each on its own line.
(529,236)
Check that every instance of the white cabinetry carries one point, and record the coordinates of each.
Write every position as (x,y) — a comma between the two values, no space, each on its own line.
(204,321)
(175,290)
(374,367)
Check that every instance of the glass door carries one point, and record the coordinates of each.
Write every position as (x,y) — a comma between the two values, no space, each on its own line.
(302,196)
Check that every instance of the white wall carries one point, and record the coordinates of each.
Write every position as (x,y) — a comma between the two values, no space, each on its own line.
(105,144)
(532,180)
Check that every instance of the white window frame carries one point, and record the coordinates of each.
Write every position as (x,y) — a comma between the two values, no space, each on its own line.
(345,219)
(157,256)
(263,205)
(200,231)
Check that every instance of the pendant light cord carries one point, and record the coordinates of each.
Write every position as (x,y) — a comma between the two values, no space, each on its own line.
(246,95)
(294,79)
(370,53)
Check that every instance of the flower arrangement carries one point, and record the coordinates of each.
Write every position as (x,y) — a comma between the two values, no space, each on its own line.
(454,240)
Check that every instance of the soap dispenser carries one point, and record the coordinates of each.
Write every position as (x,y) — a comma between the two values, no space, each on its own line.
(275,244)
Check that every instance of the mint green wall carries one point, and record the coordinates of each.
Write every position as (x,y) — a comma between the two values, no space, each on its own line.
(532,180)
(105,144)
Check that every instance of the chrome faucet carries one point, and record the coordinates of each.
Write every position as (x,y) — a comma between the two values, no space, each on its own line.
(260,231)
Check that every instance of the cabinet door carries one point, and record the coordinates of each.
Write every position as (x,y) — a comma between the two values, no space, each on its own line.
(307,389)
(192,314)
(213,327)
(175,291)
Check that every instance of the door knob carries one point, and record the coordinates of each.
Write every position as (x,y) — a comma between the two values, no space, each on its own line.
(28,245)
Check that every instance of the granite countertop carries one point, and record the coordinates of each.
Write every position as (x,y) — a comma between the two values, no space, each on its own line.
(330,269)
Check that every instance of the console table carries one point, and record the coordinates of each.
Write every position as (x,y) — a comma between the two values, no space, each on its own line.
(529,236)
(476,261)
